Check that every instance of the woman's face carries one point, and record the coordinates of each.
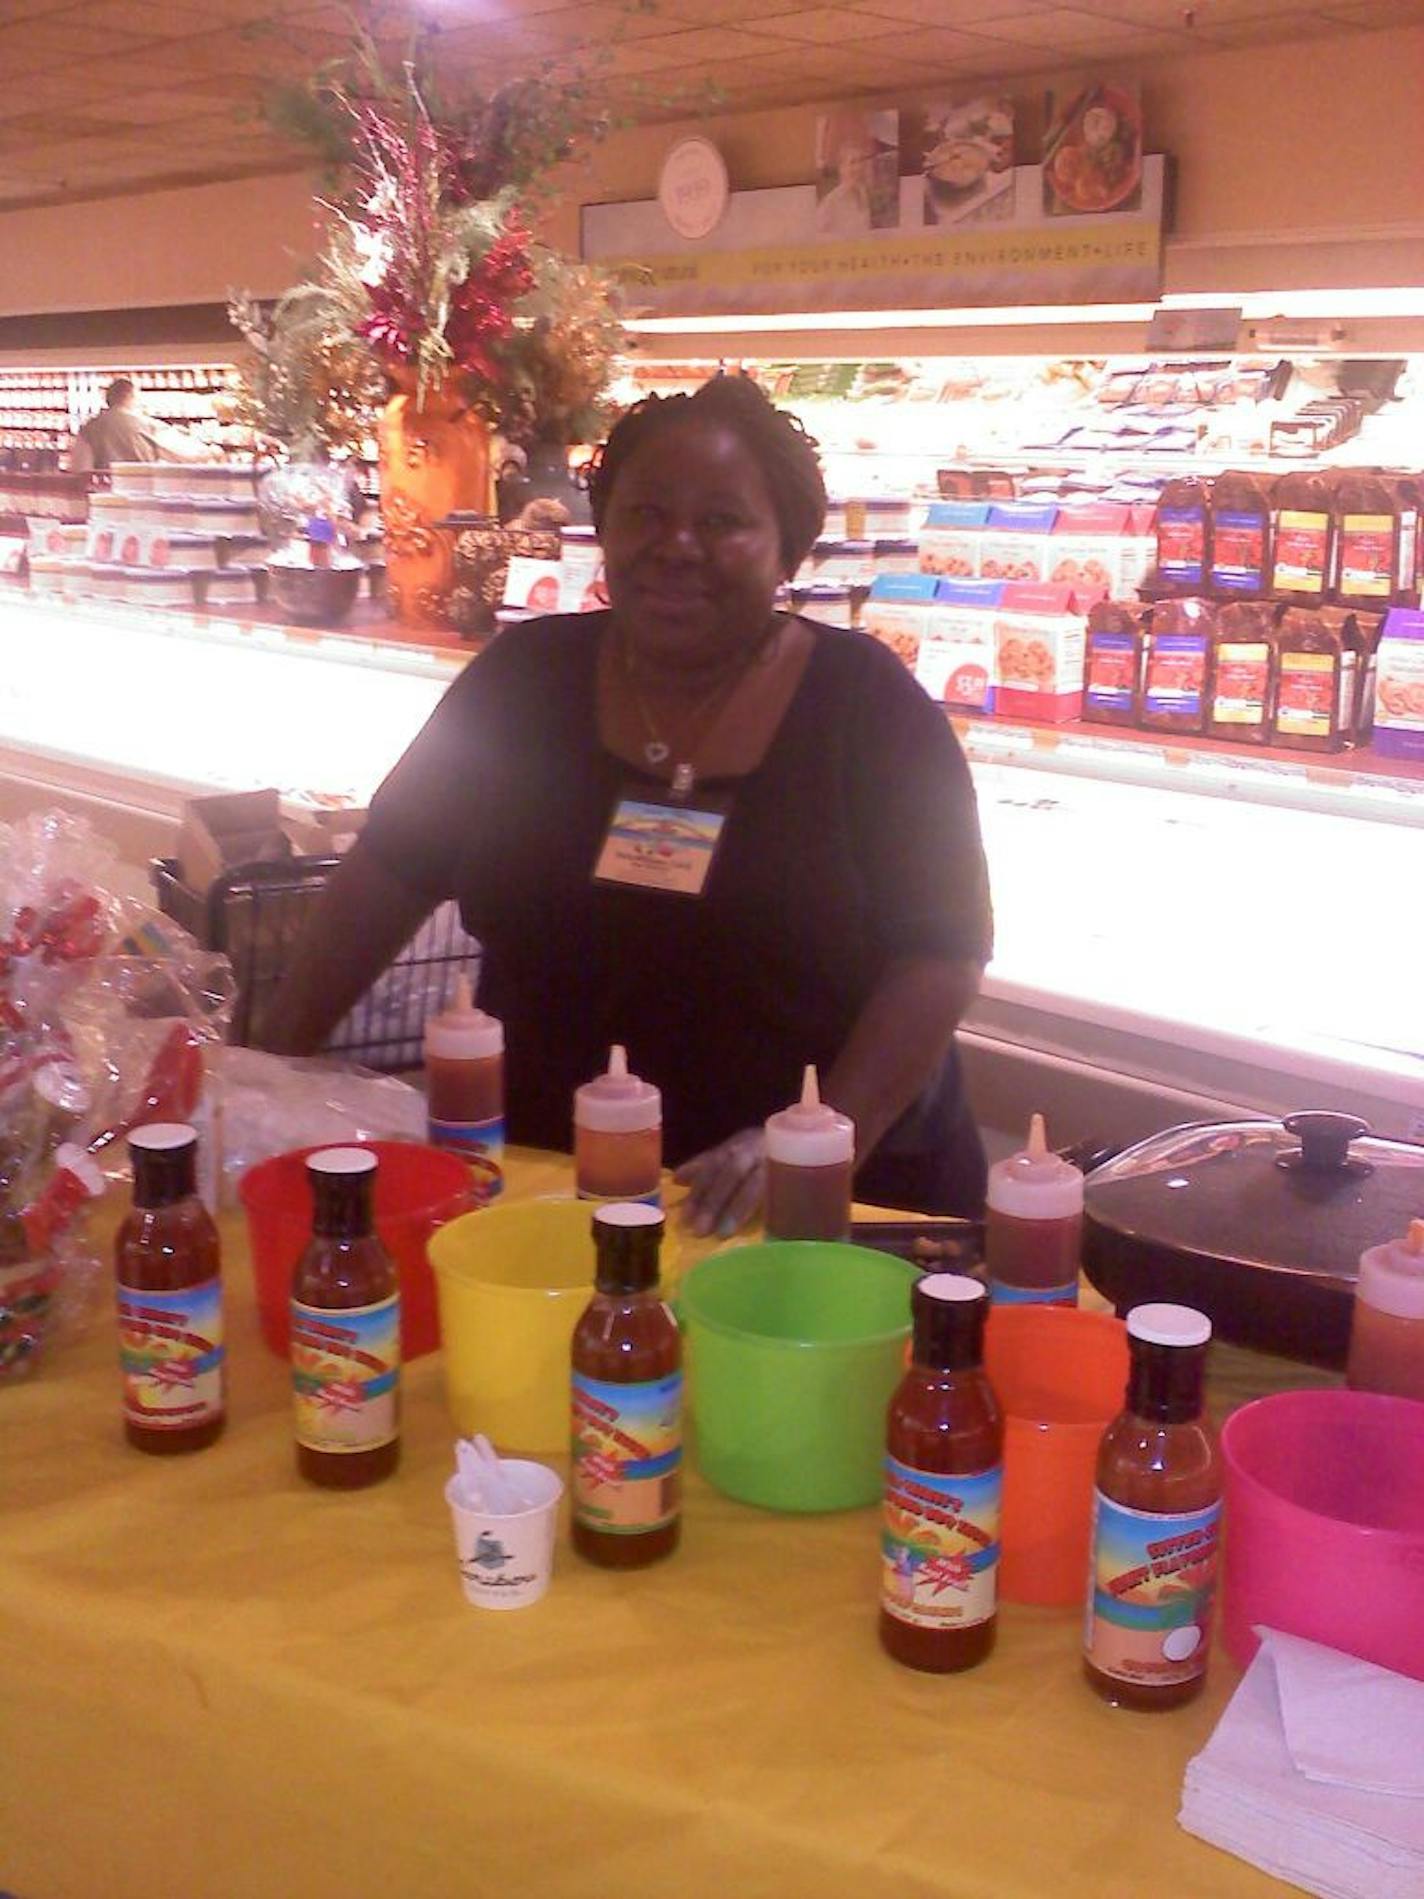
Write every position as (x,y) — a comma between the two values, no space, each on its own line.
(692,545)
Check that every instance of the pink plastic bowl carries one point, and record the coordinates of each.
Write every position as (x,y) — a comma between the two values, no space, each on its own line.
(417,1190)
(1325,1524)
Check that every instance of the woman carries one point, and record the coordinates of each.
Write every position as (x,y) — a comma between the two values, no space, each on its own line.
(840,915)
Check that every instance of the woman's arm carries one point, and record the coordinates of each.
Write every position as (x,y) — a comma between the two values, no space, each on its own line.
(894,1050)
(365,918)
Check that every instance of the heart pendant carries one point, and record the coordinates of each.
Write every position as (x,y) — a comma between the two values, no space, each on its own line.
(656,752)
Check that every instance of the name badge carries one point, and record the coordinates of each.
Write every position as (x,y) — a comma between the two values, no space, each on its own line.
(656,844)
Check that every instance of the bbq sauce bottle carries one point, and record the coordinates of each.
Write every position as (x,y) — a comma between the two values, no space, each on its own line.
(1156,1516)
(627,1400)
(168,1269)
(345,1331)
(943,1487)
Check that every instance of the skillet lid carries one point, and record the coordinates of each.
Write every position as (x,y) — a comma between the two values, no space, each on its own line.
(1309,1193)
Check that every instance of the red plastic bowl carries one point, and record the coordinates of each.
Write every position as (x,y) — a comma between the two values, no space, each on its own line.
(1325,1524)
(418,1189)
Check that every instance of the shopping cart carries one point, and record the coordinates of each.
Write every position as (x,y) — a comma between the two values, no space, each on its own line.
(254,915)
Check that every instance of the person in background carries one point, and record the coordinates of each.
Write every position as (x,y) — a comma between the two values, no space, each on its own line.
(844,918)
(121,432)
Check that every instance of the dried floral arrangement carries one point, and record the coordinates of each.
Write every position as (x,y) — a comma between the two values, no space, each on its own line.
(431,274)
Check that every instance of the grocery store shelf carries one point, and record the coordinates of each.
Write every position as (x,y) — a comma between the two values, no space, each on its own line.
(1348,784)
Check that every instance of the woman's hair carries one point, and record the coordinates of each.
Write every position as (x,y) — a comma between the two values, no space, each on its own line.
(782,449)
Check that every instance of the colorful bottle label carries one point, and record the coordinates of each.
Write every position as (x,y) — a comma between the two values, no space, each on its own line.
(1306,694)
(1302,554)
(1367,556)
(1238,551)
(1003,1294)
(346,1376)
(1112,672)
(1151,1581)
(1243,682)
(627,1453)
(1181,544)
(172,1356)
(481,1144)
(1176,675)
(940,1546)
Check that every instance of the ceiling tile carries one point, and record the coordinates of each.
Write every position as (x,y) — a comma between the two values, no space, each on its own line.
(1376,13)
(822,26)
(961,15)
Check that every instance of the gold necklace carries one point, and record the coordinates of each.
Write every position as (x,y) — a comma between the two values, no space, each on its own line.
(705,712)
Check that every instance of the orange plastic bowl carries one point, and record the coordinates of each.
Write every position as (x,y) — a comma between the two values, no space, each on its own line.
(418,1189)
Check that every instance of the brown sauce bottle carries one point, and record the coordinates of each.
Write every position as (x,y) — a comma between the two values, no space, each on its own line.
(345,1331)
(1303,530)
(626,1478)
(168,1268)
(1156,1520)
(943,1487)
(1369,541)
(1243,675)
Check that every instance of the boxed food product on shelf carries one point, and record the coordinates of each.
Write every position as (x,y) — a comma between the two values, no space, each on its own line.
(955,663)
(830,602)
(1399,685)
(897,612)
(1038,654)
(950,538)
(1015,542)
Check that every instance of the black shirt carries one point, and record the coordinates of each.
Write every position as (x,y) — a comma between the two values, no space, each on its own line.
(853,843)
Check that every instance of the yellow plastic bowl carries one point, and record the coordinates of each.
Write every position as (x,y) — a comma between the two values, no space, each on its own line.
(512,1281)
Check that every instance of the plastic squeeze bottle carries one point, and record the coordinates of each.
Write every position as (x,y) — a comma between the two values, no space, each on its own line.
(943,1487)
(1387,1333)
(810,1158)
(1034,1226)
(169,1274)
(618,1135)
(345,1331)
(464,1081)
(626,1399)
(1156,1522)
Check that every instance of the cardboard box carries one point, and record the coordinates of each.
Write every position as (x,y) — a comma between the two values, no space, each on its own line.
(897,612)
(950,538)
(1399,685)
(1015,542)
(226,830)
(1039,646)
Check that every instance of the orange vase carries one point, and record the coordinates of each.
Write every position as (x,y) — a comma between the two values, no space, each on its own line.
(435,459)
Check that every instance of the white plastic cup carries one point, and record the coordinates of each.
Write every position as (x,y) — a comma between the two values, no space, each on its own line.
(506,1560)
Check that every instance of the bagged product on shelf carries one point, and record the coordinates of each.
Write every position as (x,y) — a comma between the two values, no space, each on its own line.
(1240,537)
(1303,539)
(1315,685)
(1112,672)
(1038,654)
(1174,679)
(1370,541)
(1242,674)
(1182,526)
(1399,685)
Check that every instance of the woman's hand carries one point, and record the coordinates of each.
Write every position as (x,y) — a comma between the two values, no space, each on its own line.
(726,1184)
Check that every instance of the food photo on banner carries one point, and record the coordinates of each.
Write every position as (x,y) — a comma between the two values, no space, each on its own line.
(965,154)
(1092,151)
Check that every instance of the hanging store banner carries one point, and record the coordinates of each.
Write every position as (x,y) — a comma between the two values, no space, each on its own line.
(765,256)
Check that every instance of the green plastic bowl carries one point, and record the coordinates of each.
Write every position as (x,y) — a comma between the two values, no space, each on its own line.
(795,1349)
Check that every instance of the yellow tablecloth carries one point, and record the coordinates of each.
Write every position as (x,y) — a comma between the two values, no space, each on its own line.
(219,1683)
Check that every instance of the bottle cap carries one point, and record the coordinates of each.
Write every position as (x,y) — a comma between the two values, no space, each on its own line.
(1392,1275)
(810,1133)
(163,1137)
(948,1312)
(165,1155)
(463,1033)
(616,1102)
(1180,1326)
(1035,1184)
(627,1236)
(342,1161)
(951,1287)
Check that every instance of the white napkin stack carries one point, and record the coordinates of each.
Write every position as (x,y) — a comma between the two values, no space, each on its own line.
(1315,1773)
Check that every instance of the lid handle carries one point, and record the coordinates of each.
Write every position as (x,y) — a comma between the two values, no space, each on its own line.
(1324,1140)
